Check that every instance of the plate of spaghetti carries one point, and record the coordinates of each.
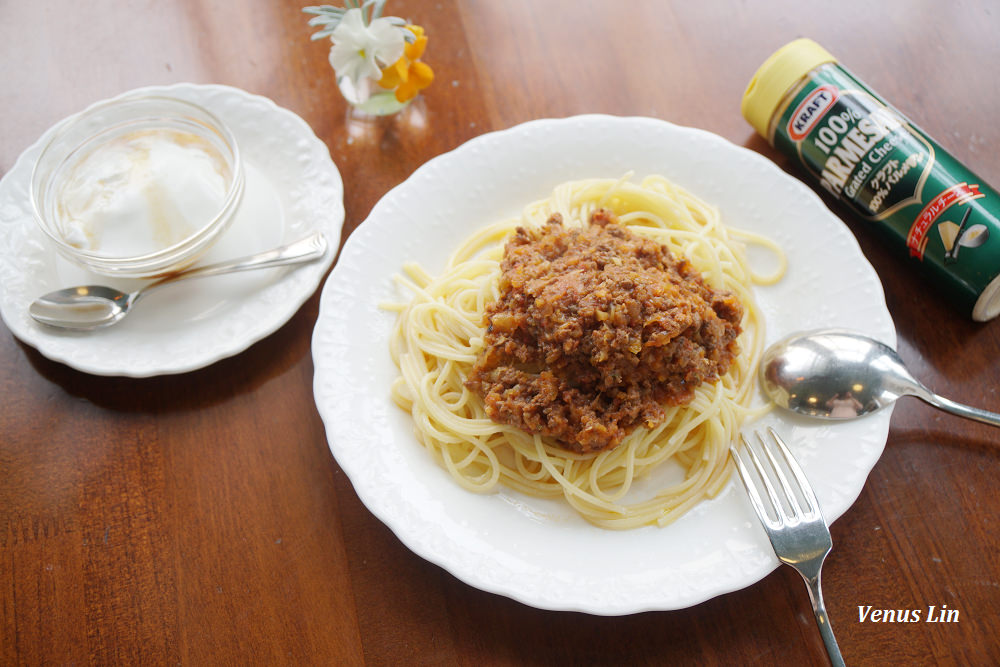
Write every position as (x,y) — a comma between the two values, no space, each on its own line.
(532,357)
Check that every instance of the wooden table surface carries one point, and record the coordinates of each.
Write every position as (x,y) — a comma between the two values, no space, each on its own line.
(201,519)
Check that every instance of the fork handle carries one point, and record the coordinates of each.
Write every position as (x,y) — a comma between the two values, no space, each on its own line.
(823,621)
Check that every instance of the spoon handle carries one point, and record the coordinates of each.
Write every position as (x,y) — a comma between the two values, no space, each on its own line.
(984,416)
(308,248)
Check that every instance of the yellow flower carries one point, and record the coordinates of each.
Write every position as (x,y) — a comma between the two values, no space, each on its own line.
(409,75)
(414,50)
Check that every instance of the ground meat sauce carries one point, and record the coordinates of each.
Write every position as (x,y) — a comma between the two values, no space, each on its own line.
(595,330)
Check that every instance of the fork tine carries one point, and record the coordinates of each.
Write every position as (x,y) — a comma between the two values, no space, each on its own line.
(753,489)
(804,487)
(748,483)
(779,474)
(779,510)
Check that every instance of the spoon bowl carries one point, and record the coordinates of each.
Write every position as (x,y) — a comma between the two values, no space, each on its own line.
(837,374)
(83,308)
(90,307)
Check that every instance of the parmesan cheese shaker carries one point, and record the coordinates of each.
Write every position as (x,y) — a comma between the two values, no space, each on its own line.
(884,167)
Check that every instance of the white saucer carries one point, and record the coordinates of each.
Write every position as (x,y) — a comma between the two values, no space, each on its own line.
(292,189)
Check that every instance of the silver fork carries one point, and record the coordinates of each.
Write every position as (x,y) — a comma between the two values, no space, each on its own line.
(792,520)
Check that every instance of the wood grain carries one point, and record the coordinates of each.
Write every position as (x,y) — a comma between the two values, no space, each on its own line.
(200,519)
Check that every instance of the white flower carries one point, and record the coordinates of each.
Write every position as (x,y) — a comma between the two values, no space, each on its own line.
(361,51)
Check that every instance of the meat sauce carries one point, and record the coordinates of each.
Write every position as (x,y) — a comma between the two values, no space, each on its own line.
(595,331)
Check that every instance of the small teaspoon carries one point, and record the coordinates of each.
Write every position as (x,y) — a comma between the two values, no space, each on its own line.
(90,307)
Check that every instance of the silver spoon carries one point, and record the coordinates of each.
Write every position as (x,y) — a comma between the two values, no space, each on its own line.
(835,374)
(90,307)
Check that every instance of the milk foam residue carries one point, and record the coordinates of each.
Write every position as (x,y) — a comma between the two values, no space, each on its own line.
(142,192)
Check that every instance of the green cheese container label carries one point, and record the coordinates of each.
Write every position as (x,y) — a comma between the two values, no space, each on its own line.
(891,173)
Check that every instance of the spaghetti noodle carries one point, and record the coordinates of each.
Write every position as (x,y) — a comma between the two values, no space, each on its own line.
(439,334)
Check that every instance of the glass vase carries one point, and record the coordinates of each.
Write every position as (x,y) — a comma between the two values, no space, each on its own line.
(369,99)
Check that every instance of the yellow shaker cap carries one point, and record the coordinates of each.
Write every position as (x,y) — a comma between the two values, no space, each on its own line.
(773,79)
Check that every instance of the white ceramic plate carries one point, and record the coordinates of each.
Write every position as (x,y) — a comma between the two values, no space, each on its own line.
(536,551)
(292,189)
